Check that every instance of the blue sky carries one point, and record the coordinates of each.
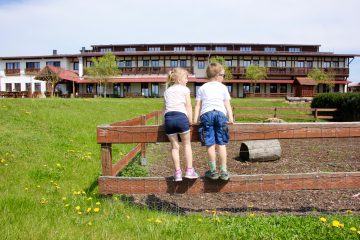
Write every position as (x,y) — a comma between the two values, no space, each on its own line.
(35,27)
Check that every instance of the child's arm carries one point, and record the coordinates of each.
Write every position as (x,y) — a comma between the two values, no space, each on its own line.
(188,107)
(229,111)
(197,111)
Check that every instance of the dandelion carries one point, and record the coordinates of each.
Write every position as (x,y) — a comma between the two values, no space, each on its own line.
(98,203)
(335,223)
(127,216)
(358,232)
(348,211)
(149,219)
(206,210)
(83,192)
(89,223)
(88,210)
(89,198)
(58,165)
(96,210)
(43,201)
(322,219)
(115,198)
(2,160)
(158,221)
(26,189)
(252,215)
(79,213)
(67,205)
(38,186)
(199,220)
(77,208)
(353,229)
(64,198)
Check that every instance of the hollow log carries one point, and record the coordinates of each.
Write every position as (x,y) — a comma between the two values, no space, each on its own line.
(260,150)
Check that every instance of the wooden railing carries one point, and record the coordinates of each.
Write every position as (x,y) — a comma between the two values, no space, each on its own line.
(149,70)
(276,113)
(290,71)
(32,71)
(12,72)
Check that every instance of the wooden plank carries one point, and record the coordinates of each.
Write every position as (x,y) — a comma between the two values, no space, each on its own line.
(237,131)
(119,165)
(237,183)
(106,159)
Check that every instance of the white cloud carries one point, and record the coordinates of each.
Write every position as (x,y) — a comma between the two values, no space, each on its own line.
(38,26)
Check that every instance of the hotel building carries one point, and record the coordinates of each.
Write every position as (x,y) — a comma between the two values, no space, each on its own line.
(144,68)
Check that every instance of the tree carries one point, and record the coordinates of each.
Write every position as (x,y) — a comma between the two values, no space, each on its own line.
(320,76)
(50,75)
(255,73)
(221,60)
(103,69)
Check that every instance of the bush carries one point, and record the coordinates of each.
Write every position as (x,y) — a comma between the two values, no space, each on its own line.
(134,169)
(348,105)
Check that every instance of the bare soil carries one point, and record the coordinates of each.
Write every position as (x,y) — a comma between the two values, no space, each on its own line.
(298,156)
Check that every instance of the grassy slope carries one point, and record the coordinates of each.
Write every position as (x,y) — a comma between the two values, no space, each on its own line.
(49,151)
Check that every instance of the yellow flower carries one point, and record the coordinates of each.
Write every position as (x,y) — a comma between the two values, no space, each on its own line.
(66,205)
(199,220)
(43,201)
(358,232)
(97,203)
(115,198)
(252,215)
(89,198)
(353,229)
(89,223)
(158,221)
(206,210)
(149,219)
(127,216)
(58,165)
(38,186)
(341,225)
(26,189)
(323,219)
(336,223)
(88,210)
(2,160)
(79,213)
(77,207)
(348,211)
(96,210)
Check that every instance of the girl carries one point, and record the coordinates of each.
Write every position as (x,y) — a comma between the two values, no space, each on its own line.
(178,117)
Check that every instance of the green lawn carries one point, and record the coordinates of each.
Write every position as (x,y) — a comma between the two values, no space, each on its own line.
(50,162)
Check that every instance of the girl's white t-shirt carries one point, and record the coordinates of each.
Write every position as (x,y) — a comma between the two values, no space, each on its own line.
(175,98)
(212,95)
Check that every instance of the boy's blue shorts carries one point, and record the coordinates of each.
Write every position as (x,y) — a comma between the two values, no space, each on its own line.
(213,128)
(176,122)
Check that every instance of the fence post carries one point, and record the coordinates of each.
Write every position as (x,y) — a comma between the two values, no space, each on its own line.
(143,145)
(316,114)
(106,159)
(275,109)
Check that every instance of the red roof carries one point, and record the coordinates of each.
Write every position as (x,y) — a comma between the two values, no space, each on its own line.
(62,73)
(306,81)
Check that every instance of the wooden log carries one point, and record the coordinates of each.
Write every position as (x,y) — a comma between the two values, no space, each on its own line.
(260,150)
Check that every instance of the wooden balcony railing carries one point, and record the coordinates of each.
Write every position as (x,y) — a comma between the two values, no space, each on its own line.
(32,71)
(149,70)
(289,71)
(12,72)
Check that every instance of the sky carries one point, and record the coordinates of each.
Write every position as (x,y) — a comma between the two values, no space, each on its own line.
(36,27)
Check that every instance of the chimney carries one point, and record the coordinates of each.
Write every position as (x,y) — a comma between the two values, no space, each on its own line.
(54,52)
(82,50)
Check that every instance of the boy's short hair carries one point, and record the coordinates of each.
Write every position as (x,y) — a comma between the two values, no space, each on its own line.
(214,69)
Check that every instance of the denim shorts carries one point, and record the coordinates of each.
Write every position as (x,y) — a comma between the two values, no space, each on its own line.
(213,128)
(176,122)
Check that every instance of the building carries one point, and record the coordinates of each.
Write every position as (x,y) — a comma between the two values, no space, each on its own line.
(144,68)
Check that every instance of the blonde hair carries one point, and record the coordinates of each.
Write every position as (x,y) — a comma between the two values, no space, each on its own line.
(175,75)
(214,69)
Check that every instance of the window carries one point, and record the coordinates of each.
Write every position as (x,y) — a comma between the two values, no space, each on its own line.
(179,49)
(145,89)
(309,64)
(155,63)
(201,64)
(17,87)
(127,88)
(229,87)
(283,88)
(8,87)
(121,64)
(155,90)
(146,63)
(245,49)
(273,63)
(326,64)
(53,63)
(221,49)
(270,49)
(273,88)
(13,65)
(282,63)
(199,49)
(335,64)
(37,87)
(294,50)
(257,88)
(173,63)
(246,63)
(105,50)
(90,88)
(256,62)
(128,63)
(33,65)
(76,66)
(28,87)
(228,63)
(246,88)
(299,64)
(129,49)
(182,63)
(154,49)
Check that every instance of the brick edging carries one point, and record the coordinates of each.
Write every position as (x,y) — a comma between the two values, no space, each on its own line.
(237,183)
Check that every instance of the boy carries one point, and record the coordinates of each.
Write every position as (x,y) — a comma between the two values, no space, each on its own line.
(213,99)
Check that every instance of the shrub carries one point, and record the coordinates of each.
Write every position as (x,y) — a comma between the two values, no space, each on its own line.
(348,105)
(134,169)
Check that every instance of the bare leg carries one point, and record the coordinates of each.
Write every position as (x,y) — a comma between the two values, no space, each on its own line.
(211,153)
(223,156)
(175,151)
(185,138)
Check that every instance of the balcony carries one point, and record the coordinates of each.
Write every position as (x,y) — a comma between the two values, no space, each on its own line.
(32,71)
(149,70)
(12,72)
(288,71)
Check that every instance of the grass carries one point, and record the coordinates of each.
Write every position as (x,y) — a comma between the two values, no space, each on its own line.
(50,162)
